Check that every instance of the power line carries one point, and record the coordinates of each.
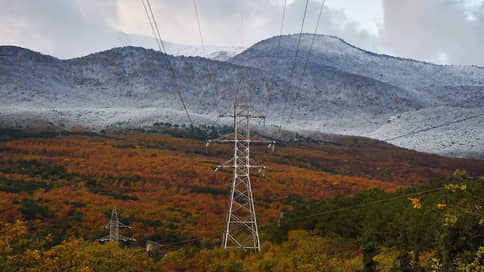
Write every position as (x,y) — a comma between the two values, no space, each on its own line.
(276,56)
(397,137)
(199,27)
(154,26)
(438,126)
(188,240)
(306,62)
(368,203)
(282,27)
(294,64)
(280,35)
(372,202)
(438,189)
(204,52)
(161,46)
(434,127)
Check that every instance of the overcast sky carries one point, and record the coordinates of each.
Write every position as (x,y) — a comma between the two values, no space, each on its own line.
(440,31)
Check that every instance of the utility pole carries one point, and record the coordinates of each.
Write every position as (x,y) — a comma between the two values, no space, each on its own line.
(240,223)
(113,227)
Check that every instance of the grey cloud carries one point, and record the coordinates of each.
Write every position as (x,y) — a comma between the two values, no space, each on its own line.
(434,30)
(56,27)
(68,28)
(426,30)
(262,20)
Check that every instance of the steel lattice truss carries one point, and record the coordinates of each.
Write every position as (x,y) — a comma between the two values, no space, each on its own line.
(114,226)
(241,223)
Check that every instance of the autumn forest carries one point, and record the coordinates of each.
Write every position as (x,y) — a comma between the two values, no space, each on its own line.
(331,204)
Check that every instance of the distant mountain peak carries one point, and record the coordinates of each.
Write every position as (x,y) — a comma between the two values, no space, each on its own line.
(20,52)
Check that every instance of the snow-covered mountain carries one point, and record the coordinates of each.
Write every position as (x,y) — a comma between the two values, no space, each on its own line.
(346,90)
(430,84)
(221,53)
(439,93)
(123,86)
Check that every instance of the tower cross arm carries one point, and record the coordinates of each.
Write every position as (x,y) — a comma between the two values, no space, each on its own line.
(255,164)
(119,225)
(252,116)
(233,165)
(125,239)
(224,141)
(227,164)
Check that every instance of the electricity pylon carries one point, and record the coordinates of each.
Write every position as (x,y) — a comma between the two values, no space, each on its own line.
(113,227)
(240,222)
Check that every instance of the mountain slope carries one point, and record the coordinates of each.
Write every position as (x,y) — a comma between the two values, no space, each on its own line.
(137,78)
(346,90)
(424,79)
(433,89)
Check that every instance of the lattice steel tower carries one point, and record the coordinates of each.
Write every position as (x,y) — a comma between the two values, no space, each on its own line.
(114,226)
(241,223)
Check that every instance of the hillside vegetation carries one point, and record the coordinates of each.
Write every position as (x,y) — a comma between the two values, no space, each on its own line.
(57,190)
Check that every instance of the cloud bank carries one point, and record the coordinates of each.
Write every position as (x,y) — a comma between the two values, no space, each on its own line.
(441,31)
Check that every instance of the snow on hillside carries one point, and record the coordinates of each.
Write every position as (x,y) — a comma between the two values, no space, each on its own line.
(220,53)
(346,90)
(457,139)
(425,80)
(419,90)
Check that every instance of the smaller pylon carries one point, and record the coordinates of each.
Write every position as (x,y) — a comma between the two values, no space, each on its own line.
(113,227)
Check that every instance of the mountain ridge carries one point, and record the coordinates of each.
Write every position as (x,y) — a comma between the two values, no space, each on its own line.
(132,87)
